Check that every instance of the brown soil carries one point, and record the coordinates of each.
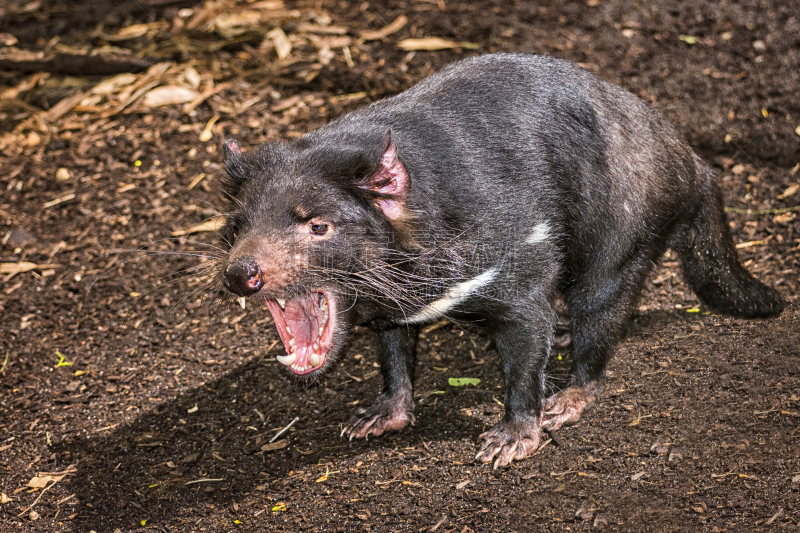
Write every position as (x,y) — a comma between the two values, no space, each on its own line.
(699,425)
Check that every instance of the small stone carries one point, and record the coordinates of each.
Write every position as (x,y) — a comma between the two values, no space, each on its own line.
(659,448)
(62,174)
(34,515)
(759,46)
(599,522)
(18,237)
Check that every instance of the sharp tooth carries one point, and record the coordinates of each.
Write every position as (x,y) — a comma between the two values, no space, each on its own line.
(316,347)
(288,330)
(320,329)
(314,360)
(282,303)
(287,360)
(241,300)
(292,343)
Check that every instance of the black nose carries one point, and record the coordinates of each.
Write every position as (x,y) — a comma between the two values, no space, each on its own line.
(242,277)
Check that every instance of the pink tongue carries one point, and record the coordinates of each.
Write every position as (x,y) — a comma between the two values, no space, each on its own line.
(303,319)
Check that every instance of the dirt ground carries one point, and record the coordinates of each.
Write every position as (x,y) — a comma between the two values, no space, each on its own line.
(159,410)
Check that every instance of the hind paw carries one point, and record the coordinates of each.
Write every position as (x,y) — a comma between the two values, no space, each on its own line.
(385,414)
(566,406)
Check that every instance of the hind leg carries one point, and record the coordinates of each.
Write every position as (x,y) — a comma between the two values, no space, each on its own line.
(600,307)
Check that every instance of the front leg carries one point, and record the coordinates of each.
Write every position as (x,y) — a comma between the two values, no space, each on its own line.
(524,346)
(394,408)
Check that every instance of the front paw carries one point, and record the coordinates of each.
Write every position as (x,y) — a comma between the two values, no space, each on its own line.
(509,440)
(387,413)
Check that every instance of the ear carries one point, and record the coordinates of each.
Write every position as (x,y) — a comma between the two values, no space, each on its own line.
(233,160)
(389,182)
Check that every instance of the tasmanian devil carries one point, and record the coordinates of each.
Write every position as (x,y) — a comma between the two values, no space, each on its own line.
(479,195)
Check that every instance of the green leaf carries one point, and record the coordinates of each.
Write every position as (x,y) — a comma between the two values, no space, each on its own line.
(688,39)
(460,382)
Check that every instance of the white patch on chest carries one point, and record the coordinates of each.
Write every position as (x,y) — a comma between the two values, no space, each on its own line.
(454,296)
(539,234)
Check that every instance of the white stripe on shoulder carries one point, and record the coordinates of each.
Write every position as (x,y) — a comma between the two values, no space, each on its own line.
(452,298)
(540,233)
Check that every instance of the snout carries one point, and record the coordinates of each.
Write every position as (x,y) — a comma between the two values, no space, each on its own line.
(243,276)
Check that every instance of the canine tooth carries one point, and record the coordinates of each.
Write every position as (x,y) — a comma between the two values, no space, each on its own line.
(241,300)
(314,360)
(287,360)
(282,303)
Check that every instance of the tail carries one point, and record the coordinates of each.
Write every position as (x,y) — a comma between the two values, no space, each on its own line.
(711,265)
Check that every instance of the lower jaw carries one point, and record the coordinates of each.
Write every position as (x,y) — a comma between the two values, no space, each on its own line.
(302,370)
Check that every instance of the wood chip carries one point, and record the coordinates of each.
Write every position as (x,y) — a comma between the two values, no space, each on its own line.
(283,47)
(169,95)
(272,446)
(19,268)
(396,25)
(433,43)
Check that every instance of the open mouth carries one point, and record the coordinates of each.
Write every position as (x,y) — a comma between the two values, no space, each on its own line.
(306,329)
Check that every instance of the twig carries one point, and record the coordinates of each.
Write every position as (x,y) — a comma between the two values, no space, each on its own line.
(68,498)
(284,430)
(37,499)
(5,362)
(204,480)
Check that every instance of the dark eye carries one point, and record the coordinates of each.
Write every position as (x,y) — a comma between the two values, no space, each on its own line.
(319,229)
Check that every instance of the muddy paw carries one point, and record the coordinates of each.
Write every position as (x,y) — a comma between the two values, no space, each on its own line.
(566,406)
(508,441)
(385,414)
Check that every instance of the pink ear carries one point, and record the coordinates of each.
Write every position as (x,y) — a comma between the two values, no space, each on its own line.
(391,179)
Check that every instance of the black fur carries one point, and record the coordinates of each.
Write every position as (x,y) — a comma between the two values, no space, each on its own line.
(523,170)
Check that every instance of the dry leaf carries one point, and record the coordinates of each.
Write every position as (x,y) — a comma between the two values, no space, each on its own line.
(4,498)
(40,482)
(637,476)
(130,32)
(214,224)
(169,95)
(283,47)
(111,85)
(63,107)
(19,268)
(272,446)
(394,27)
(432,43)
